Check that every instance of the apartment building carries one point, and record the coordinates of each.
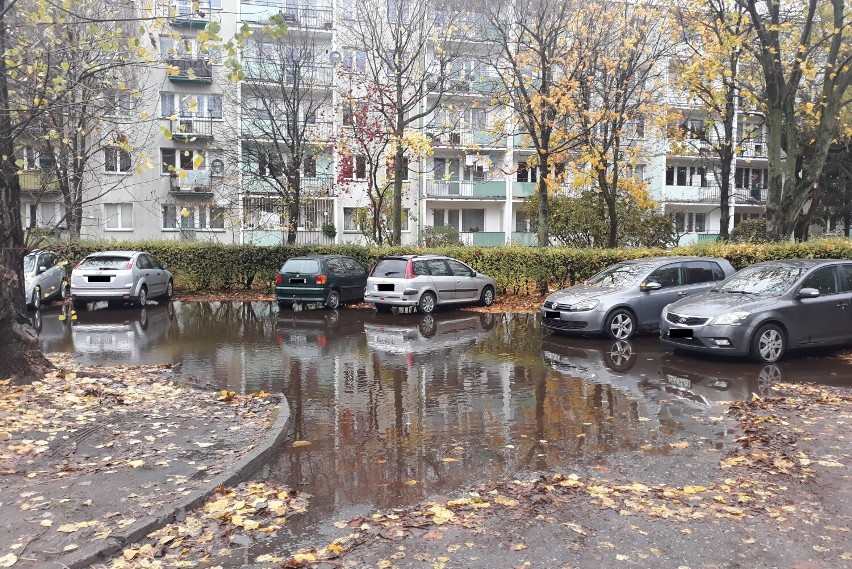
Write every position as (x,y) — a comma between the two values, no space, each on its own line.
(207,163)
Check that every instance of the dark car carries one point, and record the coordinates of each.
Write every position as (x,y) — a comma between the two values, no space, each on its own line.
(629,296)
(332,280)
(765,310)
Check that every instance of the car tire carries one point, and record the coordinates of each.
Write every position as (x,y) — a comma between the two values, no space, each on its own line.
(620,357)
(170,290)
(427,326)
(768,344)
(487,297)
(333,299)
(35,301)
(142,299)
(620,325)
(426,304)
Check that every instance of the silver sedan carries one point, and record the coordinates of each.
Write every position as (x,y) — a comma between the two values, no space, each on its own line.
(120,277)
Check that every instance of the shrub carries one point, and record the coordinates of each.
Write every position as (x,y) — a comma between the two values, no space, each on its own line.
(750,231)
(441,236)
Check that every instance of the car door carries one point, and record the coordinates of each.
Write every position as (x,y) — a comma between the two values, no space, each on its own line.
(846,321)
(51,278)
(442,279)
(154,276)
(339,277)
(824,319)
(701,276)
(672,287)
(467,287)
(358,278)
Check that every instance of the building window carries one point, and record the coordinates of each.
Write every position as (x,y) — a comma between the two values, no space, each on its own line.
(353,218)
(473,220)
(193,217)
(700,222)
(116,160)
(314,214)
(354,167)
(527,173)
(118,216)
(521,223)
(187,218)
(405,216)
(309,164)
(169,217)
(190,105)
(187,159)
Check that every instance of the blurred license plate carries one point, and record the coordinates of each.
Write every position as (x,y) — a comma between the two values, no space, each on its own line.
(551,314)
(297,281)
(385,287)
(100,278)
(680,332)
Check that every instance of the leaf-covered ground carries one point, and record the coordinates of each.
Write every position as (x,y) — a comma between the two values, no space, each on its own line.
(779,498)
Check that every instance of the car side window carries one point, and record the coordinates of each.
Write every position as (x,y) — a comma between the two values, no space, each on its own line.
(155,262)
(847,270)
(355,268)
(420,268)
(667,276)
(142,262)
(47,260)
(698,272)
(459,269)
(718,273)
(438,268)
(335,267)
(824,280)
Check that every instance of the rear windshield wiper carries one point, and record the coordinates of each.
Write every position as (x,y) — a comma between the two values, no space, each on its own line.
(389,273)
(738,291)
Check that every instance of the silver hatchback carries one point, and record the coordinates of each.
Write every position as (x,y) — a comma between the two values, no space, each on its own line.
(629,296)
(120,277)
(44,278)
(426,281)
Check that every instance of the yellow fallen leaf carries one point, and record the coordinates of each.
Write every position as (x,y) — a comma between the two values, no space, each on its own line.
(70,547)
(301,443)
(621,557)
(304,558)
(8,560)
(507,502)
(449,459)
(46,523)
(688,490)
(518,547)
(411,482)
(681,444)
(135,463)
(68,528)
(129,554)
(440,514)
(335,548)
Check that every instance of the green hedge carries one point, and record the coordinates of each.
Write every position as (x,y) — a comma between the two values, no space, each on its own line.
(199,266)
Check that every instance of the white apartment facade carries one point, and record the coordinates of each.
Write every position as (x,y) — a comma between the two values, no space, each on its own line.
(191,178)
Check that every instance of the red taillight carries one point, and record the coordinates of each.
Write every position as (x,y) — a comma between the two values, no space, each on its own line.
(279,279)
(321,279)
(77,266)
(128,266)
(409,269)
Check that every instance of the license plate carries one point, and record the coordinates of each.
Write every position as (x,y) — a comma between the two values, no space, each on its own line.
(678,381)
(385,287)
(680,332)
(551,314)
(297,281)
(100,278)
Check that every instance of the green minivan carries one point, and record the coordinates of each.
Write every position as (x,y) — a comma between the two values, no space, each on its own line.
(331,280)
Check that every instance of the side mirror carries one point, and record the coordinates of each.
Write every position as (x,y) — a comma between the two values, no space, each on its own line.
(473,273)
(41,269)
(808,293)
(164,267)
(650,286)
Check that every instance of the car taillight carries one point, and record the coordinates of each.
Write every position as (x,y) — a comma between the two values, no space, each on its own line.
(279,279)
(373,270)
(321,279)
(128,266)
(409,269)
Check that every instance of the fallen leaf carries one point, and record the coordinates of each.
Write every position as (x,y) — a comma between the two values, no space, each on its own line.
(135,463)
(681,444)
(449,459)
(411,482)
(301,443)
(518,547)
(8,560)
(621,557)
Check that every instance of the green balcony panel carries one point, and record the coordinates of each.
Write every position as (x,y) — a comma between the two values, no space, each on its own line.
(488,238)
(524,239)
(493,189)
(523,189)
(708,237)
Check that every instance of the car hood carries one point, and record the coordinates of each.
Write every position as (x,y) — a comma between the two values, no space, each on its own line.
(580,292)
(716,303)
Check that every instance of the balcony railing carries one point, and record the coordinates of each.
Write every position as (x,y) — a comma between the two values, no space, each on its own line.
(467,137)
(712,194)
(287,72)
(465,189)
(267,129)
(38,181)
(260,12)
(187,13)
(191,70)
(483,238)
(191,128)
(197,183)
(753,148)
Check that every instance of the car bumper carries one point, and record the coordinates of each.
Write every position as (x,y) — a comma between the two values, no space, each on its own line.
(391,299)
(92,295)
(294,295)
(721,340)
(589,321)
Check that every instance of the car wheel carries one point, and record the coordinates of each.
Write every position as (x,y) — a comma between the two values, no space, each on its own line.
(487,321)
(35,302)
(426,305)
(333,299)
(487,297)
(427,326)
(620,357)
(170,290)
(620,325)
(142,299)
(768,344)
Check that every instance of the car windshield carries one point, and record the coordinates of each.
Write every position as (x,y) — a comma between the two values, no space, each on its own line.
(104,262)
(29,263)
(390,268)
(766,279)
(620,276)
(301,266)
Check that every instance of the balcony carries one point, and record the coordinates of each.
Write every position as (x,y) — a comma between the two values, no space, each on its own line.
(187,13)
(523,189)
(261,11)
(267,129)
(467,138)
(317,187)
(36,181)
(478,85)
(306,75)
(712,194)
(752,148)
(191,128)
(524,238)
(483,238)
(190,70)
(452,189)
(196,183)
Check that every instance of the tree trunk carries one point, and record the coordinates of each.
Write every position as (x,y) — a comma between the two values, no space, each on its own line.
(775,222)
(398,169)
(19,348)
(543,229)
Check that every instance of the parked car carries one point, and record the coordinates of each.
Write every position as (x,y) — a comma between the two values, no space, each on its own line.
(425,282)
(120,277)
(765,310)
(332,280)
(629,296)
(44,278)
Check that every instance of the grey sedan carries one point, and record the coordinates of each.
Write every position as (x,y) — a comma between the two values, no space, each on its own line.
(44,278)
(120,277)
(765,310)
(629,296)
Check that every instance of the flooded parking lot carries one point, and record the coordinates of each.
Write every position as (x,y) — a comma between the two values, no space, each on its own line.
(391,409)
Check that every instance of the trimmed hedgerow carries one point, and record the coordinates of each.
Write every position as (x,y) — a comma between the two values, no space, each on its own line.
(517,270)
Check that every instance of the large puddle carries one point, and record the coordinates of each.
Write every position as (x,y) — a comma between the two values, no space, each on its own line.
(398,408)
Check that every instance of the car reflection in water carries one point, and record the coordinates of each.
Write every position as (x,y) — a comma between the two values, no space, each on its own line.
(645,368)
(316,333)
(429,337)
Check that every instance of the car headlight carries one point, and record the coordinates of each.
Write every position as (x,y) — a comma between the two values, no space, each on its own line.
(665,312)
(730,319)
(583,305)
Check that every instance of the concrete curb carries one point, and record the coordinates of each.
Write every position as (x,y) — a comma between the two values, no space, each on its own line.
(242,469)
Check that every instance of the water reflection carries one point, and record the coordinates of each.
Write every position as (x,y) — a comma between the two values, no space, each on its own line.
(402,407)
